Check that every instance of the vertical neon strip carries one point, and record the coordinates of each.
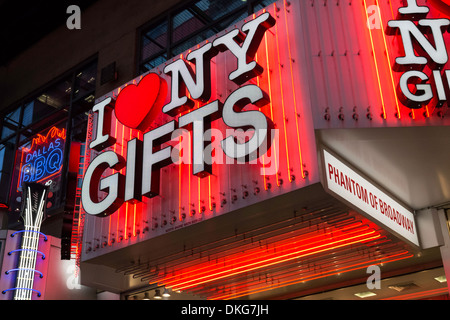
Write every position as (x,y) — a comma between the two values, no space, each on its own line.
(20,275)
(116,123)
(209,193)
(20,169)
(271,106)
(427,112)
(134,218)
(262,157)
(189,173)
(389,61)
(30,243)
(118,210)
(282,101)
(375,60)
(198,193)
(179,180)
(125,228)
(293,94)
(134,205)
(393,18)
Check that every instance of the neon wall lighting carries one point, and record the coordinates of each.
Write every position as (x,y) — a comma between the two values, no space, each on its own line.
(323,242)
(325,66)
(33,213)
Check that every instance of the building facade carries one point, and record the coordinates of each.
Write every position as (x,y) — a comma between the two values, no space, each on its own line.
(221,150)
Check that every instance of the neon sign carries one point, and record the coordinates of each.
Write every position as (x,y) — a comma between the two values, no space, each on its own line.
(416,87)
(43,159)
(145,157)
(33,214)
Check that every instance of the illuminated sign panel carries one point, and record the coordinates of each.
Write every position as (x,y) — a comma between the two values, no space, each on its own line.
(228,133)
(423,43)
(38,161)
(33,214)
(146,98)
(167,157)
(356,54)
(355,189)
(43,158)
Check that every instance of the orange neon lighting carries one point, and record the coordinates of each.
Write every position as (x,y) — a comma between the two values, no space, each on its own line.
(301,278)
(293,95)
(389,63)
(268,262)
(41,139)
(179,182)
(376,63)
(209,193)
(189,170)
(274,145)
(281,251)
(263,156)
(232,267)
(282,103)
(308,236)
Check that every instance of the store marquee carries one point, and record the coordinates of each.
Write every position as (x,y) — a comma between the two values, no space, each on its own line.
(369,199)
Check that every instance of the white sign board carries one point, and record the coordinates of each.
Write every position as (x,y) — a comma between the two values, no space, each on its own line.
(369,199)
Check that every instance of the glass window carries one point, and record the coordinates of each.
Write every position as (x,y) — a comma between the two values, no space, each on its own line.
(58,95)
(153,63)
(217,9)
(85,81)
(197,38)
(13,117)
(154,41)
(6,162)
(188,26)
(28,114)
(186,23)
(6,132)
(44,123)
(2,155)
(10,123)
(37,115)
(40,159)
(261,4)
(48,102)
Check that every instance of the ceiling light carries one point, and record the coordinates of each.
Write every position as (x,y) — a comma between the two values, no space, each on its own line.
(166,293)
(403,286)
(157,294)
(365,294)
(441,279)
(146,296)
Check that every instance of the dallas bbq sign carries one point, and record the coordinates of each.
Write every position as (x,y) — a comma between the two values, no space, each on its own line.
(137,106)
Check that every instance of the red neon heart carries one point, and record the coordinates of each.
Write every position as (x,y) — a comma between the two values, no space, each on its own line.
(137,106)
